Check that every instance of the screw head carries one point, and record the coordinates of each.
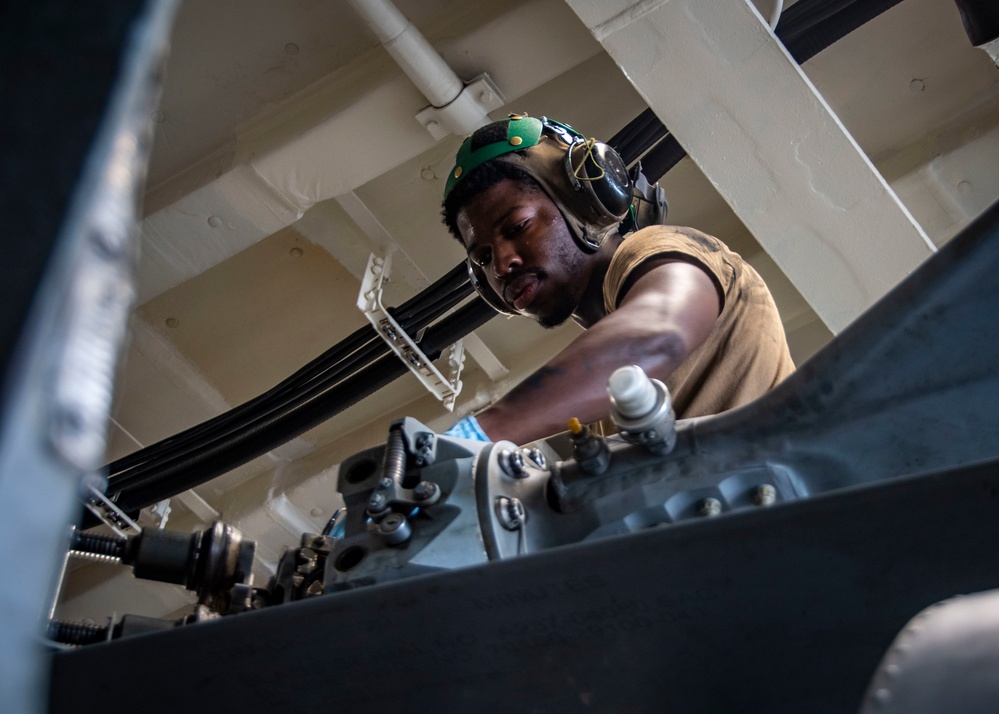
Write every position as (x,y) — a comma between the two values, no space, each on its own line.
(535,455)
(424,490)
(377,501)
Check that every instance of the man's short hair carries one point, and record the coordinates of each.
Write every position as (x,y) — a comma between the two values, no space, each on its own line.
(481,179)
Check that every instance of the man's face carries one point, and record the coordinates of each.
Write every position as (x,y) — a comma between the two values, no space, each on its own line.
(522,247)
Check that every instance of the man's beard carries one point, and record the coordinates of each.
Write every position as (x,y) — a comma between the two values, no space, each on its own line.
(566,301)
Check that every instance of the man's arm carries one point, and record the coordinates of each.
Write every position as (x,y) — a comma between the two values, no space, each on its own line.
(668,311)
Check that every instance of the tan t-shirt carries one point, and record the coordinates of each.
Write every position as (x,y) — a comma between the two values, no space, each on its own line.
(746,354)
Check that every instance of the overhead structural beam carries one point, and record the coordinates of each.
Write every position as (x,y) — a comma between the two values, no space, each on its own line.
(330,147)
(747,115)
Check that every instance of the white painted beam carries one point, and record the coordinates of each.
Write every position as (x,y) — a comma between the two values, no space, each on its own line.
(717,76)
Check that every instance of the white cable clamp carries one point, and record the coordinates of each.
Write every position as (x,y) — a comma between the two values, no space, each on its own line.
(369,301)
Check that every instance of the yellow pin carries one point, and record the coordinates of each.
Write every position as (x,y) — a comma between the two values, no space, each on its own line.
(457,171)
(516,140)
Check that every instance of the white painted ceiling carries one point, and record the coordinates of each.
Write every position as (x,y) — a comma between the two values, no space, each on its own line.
(287,150)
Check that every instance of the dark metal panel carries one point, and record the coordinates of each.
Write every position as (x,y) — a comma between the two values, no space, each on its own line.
(786,609)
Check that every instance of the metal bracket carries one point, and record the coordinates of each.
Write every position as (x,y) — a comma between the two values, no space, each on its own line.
(369,301)
(465,113)
(108,512)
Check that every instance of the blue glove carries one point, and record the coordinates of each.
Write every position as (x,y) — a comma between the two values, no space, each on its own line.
(467,428)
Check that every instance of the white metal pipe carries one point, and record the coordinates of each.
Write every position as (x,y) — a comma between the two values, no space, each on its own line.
(410,49)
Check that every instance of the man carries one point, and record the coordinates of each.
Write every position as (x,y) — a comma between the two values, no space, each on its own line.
(538,209)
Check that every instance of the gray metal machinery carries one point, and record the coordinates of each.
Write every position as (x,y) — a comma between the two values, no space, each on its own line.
(762,559)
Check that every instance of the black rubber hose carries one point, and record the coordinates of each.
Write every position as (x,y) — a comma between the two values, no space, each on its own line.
(227,420)
(152,470)
(981,20)
(808,27)
(249,421)
(249,444)
(453,287)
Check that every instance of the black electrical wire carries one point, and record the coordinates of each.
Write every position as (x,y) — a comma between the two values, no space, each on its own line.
(638,136)
(807,28)
(268,434)
(337,380)
(168,462)
(452,286)
(230,425)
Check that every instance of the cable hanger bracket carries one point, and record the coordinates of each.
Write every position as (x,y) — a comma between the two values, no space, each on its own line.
(369,301)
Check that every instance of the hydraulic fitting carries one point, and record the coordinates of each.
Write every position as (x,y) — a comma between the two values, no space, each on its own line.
(641,409)
(589,450)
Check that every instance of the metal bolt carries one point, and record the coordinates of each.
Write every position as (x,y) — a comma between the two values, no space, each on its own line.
(385,482)
(709,507)
(512,463)
(377,501)
(425,456)
(764,495)
(537,457)
(424,490)
(511,513)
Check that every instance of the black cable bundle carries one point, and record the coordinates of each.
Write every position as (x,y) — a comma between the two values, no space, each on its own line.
(361,364)
(325,386)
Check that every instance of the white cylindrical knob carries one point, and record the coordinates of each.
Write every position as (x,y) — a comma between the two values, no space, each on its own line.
(632,392)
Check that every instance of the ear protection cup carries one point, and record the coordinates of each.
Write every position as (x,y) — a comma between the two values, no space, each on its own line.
(597,170)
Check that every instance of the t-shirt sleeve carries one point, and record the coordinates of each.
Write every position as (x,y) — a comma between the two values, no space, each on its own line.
(686,244)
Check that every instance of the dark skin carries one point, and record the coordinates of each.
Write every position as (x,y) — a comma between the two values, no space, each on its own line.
(524,248)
